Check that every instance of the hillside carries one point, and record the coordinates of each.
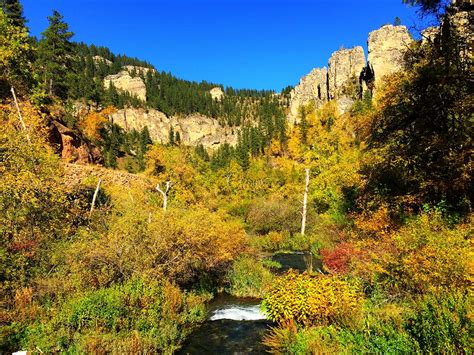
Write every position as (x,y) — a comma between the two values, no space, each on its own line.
(142,213)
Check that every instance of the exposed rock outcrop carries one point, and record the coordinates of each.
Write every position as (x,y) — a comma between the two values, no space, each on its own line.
(98,59)
(311,88)
(217,93)
(123,81)
(345,66)
(194,129)
(138,70)
(349,75)
(386,47)
(72,147)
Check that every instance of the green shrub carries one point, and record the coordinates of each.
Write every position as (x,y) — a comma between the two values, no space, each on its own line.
(248,277)
(293,340)
(441,323)
(140,315)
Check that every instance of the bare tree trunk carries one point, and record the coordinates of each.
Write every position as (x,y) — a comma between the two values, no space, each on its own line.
(305,202)
(96,192)
(164,193)
(20,116)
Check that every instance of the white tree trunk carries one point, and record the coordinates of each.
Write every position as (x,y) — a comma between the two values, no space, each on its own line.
(96,192)
(20,115)
(305,202)
(164,193)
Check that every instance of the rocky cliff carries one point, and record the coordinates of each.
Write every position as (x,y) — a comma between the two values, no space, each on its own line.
(386,47)
(194,129)
(123,81)
(217,93)
(312,88)
(345,66)
(348,73)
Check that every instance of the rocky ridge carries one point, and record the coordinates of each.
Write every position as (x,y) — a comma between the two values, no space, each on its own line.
(193,129)
(349,74)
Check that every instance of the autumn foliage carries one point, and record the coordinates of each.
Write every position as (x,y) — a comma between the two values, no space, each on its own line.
(313,300)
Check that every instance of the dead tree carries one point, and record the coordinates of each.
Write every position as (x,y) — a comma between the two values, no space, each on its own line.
(305,202)
(164,193)
(96,192)
(20,115)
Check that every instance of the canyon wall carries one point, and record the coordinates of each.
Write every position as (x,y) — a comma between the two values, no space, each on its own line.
(349,73)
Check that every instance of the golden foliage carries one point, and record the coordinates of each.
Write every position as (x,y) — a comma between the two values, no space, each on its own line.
(313,300)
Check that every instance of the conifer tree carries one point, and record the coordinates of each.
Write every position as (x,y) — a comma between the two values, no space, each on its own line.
(171,136)
(55,55)
(14,10)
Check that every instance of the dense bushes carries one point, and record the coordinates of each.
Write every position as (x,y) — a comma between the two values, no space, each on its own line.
(441,323)
(248,277)
(313,300)
(142,315)
(183,245)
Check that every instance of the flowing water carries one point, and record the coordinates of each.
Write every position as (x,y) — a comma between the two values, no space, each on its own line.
(237,325)
(234,326)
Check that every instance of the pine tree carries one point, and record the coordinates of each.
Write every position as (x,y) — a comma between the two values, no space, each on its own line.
(177,138)
(303,126)
(14,10)
(171,136)
(55,55)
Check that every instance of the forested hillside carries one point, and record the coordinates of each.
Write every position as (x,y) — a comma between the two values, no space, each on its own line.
(124,258)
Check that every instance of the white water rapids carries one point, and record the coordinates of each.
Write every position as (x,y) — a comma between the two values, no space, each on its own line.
(238,312)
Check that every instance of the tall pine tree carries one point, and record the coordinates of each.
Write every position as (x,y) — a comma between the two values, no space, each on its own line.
(55,55)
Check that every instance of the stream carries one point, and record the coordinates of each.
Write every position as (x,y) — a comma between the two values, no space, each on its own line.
(236,325)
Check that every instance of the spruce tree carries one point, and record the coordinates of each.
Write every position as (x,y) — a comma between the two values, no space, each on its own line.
(171,136)
(14,10)
(55,56)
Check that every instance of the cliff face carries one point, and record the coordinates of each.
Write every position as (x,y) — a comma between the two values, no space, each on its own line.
(345,65)
(194,129)
(72,147)
(386,47)
(123,81)
(349,74)
(312,88)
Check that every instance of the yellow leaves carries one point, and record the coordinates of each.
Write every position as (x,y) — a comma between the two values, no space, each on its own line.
(92,123)
(312,300)
(376,224)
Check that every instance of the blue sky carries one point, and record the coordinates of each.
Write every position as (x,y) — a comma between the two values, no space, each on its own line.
(261,44)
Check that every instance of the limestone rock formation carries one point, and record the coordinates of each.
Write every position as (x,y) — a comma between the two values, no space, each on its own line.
(98,59)
(345,66)
(429,34)
(311,88)
(138,70)
(217,93)
(387,46)
(124,82)
(462,23)
(194,129)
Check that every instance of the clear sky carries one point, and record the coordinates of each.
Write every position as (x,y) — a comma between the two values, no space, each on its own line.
(261,44)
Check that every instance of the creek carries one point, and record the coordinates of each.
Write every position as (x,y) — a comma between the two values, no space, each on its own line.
(236,325)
